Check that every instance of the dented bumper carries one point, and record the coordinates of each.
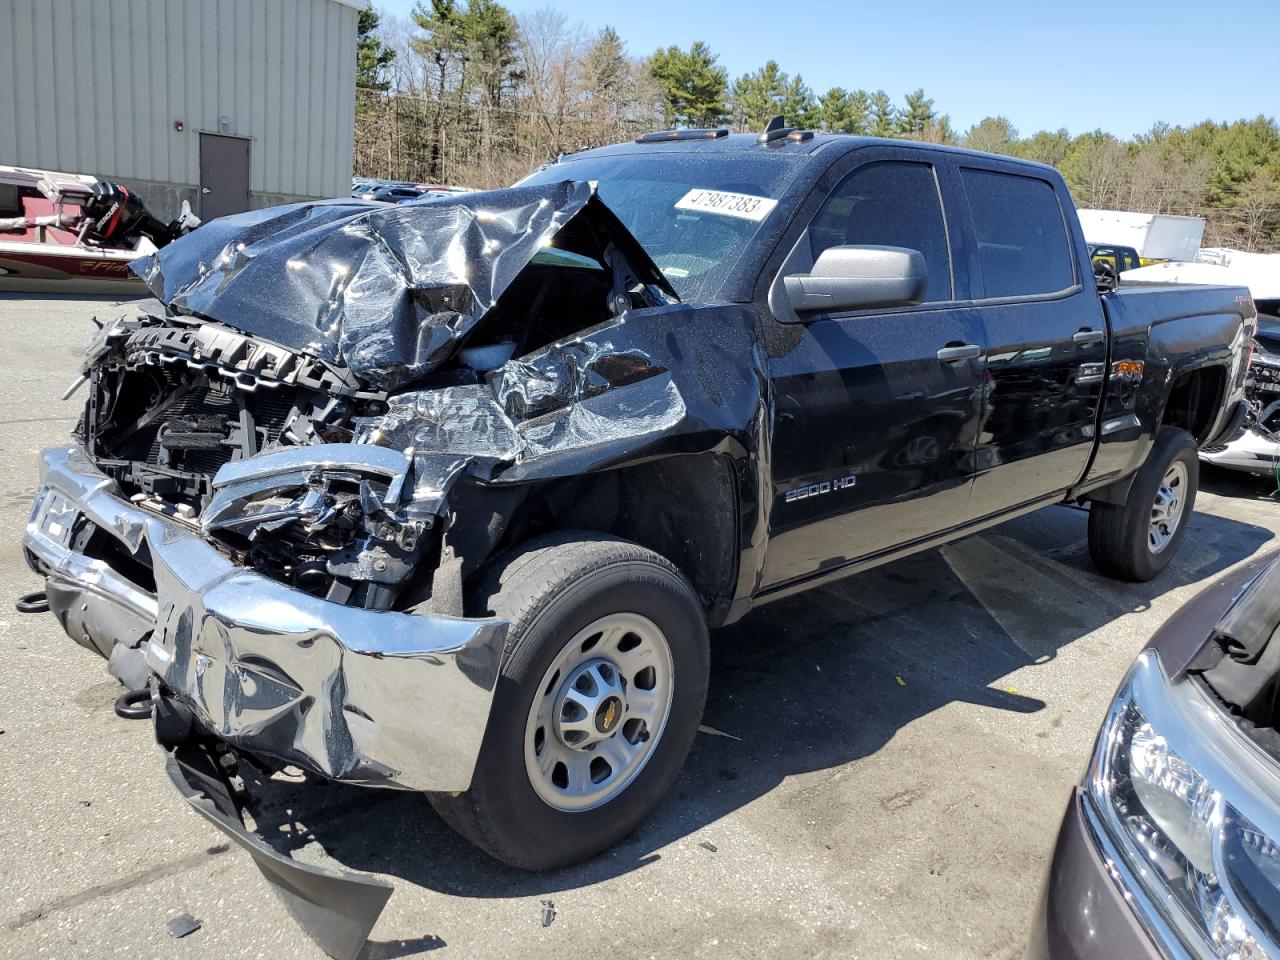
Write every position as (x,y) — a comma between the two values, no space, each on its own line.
(376,697)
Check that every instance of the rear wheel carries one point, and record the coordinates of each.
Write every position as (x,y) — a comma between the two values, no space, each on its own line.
(597,704)
(1138,539)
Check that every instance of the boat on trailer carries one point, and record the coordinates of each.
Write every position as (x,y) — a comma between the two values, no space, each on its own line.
(72,233)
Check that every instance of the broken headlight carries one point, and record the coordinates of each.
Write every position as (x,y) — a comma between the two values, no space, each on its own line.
(1181,814)
(334,520)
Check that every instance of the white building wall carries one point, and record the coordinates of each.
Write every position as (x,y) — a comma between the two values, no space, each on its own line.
(96,86)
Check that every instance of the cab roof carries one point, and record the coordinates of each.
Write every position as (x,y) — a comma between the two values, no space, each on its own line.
(750,143)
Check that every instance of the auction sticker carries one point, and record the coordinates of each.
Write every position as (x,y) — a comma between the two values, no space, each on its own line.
(741,205)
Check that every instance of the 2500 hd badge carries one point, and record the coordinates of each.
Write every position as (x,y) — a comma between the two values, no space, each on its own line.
(817,489)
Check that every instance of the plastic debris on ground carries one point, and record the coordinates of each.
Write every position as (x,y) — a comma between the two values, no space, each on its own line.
(703,728)
(183,925)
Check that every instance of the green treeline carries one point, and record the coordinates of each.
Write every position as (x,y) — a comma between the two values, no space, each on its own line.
(468,93)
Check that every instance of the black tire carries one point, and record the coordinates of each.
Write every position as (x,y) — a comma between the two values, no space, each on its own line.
(548,590)
(1119,533)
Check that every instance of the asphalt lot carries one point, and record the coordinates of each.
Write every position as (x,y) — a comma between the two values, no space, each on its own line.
(896,752)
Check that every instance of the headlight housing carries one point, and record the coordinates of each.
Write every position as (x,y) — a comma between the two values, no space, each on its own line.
(1192,810)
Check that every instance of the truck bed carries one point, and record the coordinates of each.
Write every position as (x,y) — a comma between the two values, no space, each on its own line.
(1134,307)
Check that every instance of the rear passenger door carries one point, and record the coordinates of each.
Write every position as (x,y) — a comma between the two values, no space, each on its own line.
(873,428)
(1046,338)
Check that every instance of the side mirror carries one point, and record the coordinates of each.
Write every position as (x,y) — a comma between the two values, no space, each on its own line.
(857,277)
(1106,277)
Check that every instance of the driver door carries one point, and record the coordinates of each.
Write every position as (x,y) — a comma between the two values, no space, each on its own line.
(876,412)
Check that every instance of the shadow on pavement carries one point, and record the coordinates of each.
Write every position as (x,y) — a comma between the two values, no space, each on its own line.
(1239,484)
(809,683)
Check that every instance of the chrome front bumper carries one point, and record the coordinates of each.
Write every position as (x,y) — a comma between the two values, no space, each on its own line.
(1250,451)
(376,697)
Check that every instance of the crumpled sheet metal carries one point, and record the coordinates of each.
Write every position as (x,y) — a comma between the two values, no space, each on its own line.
(372,696)
(588,403)
(367,696)
(388,290)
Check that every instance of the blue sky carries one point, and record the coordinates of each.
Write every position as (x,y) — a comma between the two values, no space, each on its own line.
(1120,65)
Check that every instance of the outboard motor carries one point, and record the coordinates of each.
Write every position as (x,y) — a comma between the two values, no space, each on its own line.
(117,218)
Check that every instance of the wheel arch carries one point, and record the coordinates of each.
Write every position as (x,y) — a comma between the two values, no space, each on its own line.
(1195,400)
(684,507)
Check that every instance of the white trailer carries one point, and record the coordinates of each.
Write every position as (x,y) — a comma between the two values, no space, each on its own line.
(1156,236)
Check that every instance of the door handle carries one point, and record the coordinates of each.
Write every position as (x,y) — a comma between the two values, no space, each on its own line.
(967,351)
(1089,336)
(205,190)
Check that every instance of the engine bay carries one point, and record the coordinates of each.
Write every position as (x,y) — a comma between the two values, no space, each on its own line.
(171,400)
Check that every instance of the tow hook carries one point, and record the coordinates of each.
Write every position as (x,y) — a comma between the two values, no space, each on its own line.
(173,721)
(33,603)
(134,705)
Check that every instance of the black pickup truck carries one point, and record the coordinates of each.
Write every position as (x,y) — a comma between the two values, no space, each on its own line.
(445,496)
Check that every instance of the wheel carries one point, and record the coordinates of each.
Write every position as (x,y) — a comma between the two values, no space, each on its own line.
(1137,539)
(597,704)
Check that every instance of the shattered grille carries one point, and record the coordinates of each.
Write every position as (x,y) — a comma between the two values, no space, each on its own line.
(195,432)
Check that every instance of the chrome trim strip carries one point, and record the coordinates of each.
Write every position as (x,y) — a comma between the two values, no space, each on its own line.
(320,456)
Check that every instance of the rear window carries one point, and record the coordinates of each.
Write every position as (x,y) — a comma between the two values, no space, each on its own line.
(1022,237)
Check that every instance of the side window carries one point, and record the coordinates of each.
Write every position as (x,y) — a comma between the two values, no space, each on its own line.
(893,204)
(1022,238)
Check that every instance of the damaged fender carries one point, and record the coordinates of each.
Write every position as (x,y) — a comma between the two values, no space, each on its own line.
(616,395)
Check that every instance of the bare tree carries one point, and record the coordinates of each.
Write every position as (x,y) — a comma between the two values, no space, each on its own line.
(1256,211)
(550,54)
(1098,171)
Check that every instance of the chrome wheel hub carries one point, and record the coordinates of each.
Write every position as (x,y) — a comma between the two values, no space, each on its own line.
(1166,510)
(590,705)
(599,712)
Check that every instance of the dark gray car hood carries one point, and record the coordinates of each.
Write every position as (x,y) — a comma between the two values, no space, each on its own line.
(390,291)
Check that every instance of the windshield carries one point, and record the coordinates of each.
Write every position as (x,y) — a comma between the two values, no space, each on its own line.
(694,215)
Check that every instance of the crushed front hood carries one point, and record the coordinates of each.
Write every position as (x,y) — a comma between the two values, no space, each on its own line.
(390,291)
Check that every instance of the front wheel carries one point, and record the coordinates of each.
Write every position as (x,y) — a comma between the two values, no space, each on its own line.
(1137,539)
(597,704)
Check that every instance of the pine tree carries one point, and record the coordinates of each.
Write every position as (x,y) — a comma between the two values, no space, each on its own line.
(757,96)
(797,105)
(605,76)
(918,116)
(372,55)
(834,111)
(884,117)
(693,85)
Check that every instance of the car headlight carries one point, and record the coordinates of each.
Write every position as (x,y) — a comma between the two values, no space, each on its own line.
(1169,792)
